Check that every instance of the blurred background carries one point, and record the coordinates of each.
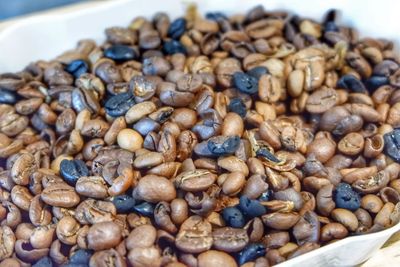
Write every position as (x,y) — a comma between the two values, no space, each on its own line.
(13,8)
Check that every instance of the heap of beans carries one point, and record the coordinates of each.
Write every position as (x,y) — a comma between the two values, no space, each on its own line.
(200,141)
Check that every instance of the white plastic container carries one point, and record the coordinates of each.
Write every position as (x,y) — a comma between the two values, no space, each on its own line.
(46,36)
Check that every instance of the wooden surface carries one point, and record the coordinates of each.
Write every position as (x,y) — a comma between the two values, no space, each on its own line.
(387,256)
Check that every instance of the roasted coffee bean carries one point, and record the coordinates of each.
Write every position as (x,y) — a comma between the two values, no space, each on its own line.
(72,170)
(173,47)
(236,105)
(200,141)
(153,188)
(351,83)
(222,145)
(257,72)
(392,144)
(251,252)
(230,239)
(44,262)
(345,197)
(196,180)
(233,217)
(177,28)
(266,196)
(119,104)
(120,53)
(7,97)
(321,100)
(60,195)
(81,256)
(103,235)
(374,82)
(77,68)
(195,235)
(251,208)
(214,258)
(245,83)
(124,203)
(144,208)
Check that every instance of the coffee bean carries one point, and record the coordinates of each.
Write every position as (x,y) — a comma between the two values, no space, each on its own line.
(196,180)
(43,262)
(251,252)
(145,208)
(230,239)
(8,242)
(245,83)
(345,197)
(251,208)
(120,53)
(223,145)
(124,203)
(214,258)
(321,100)
(81,256)
(236,105)
(145,126)
(195,235)
(177,28)
(7,97)
(173,47)
(257,72)
(266,196)
(215,16)
(374,82)
(392,144)
(153,188)
(60,195)
(72,170)
(119,104)
(351,83)
(77,68)
(233,217)
(103,235)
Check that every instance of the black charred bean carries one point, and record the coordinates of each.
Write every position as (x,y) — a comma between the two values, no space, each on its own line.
(145,208)
(351,83)
(392,144)
(236,105)
(233,217)
(124,203)
(251,208)
(251,252)
(77,67)
(223,145)
(120,53)
(177,28)
(7,97)
(346,198)
(173,47)
(72,170)
(245,83)
(119,104)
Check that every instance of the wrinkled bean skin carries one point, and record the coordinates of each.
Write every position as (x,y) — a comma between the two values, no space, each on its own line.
(200,141)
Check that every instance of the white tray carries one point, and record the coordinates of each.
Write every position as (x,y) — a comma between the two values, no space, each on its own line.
(46,36)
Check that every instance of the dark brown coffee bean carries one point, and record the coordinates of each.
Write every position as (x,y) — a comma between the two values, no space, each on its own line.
(8,242)
(230,239)
(60,195)
(153,188)
(103,235)
(92,186)
(321,100)
(197,180)
(194,235)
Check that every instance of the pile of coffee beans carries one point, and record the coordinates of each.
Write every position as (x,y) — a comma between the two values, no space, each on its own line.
(200,141)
